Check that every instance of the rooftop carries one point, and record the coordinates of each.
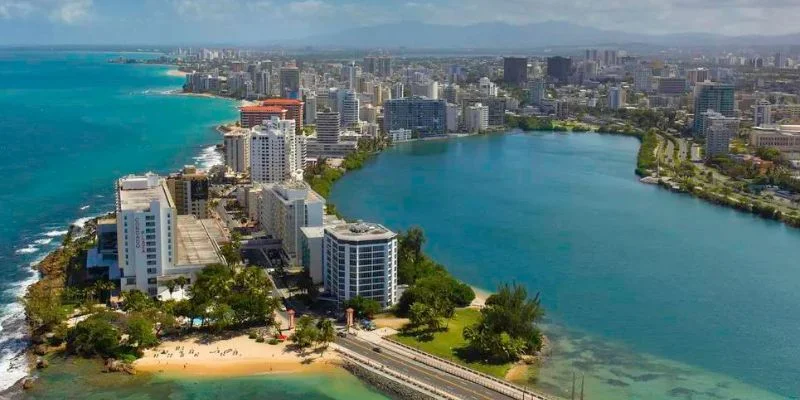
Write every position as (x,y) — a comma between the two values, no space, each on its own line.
(360,231)
(789,130)
(263,109)
(136,192)
(197,240)
(282,102)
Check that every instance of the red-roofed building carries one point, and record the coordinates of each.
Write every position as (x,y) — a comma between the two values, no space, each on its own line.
(294,110)
(250,116)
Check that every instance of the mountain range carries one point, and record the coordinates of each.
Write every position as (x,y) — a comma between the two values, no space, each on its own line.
(417,35)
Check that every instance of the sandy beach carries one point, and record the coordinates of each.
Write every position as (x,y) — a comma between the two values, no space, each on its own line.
(480,297)
(176,73)
(239,356)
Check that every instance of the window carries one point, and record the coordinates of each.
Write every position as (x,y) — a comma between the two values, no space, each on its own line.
(151,281)
(152,270)
(152,262)
(130,280)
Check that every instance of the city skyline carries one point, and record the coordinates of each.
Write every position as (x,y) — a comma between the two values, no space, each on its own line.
(47,22)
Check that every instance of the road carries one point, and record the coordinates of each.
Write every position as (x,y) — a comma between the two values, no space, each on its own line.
(456,386)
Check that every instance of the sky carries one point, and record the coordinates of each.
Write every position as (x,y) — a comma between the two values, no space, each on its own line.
(27,22)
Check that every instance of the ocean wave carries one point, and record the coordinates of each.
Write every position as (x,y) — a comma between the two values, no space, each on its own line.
(13,336)
(85,207)
(81,222)
(29,249)
(209,157)
(55,233)
(44,241)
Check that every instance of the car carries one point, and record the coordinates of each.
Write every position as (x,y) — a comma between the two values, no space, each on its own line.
(283,307)
(377,349)
(341,334)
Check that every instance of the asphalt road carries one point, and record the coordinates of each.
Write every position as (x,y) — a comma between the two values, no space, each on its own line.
(454,385)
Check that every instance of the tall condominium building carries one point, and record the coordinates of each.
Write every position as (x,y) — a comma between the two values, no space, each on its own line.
(720,133)
(384,66)
(290,82)
(310,113)
(672,86)
(189,190)
(610,57)
(146,239)
(616,98)
(370,64)
(427,88)
(450,93)
(293,107)
(452,117)
(426,116)
(515,70)
(251,116)
(486,87)
(237,150)
(642,78)
(328,127)
(277,153)
(476,118)
(763,113)
(287,207)
(398,90)
(697,75)
(262,82)
(714,96)
(537,90)
(360,259)
(710,118)
(348,109)
(559,68)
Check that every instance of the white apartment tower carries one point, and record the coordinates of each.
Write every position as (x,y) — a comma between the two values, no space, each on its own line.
(360,259)
(477,118)
(146,231)
(277,154)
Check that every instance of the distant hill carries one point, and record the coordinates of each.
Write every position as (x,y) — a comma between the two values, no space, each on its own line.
(418,35)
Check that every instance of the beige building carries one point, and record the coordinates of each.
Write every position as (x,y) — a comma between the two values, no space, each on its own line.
(237,150)
(189,190)
(785,138)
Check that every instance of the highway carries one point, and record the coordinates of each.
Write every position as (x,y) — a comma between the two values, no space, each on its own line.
(458,387)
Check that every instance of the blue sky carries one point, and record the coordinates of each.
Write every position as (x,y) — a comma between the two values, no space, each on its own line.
(269,21)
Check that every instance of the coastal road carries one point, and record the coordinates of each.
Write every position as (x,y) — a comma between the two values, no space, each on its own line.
(458,387)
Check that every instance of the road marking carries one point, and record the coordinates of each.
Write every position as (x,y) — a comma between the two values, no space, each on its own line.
(435,377)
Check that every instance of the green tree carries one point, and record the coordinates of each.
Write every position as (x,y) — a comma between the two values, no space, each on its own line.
(363,307)
(43,308)
(507,326)
(306,332)
(141,332)
(95,336)
(135,300)
(327,333)
(171,285)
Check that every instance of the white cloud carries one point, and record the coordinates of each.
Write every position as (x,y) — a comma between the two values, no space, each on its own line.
(72,12)
(12,9)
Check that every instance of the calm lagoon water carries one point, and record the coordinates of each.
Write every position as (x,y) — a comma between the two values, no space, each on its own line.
(650,294)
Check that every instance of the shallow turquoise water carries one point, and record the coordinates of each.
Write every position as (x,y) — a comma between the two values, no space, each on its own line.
(652,295)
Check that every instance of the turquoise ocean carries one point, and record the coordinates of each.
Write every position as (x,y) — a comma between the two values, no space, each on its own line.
(649,294)
(71,123)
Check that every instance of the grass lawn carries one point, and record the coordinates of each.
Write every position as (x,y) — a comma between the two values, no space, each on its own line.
(451,345)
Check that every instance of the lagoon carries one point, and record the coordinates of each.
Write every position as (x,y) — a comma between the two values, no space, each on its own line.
(650,294)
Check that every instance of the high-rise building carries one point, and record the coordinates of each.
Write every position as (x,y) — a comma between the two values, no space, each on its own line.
(189,190)
(450,93)
(285,208)
(642,78)
(348,108)
(452,117)
(559,68)
(360,259)
(370,64)
(277,153)
(708,118)
(310,113)
(763,113)
(251,116)
(780,60)
(610,57)
(328,127)
(146,222)
(720,132)
(237,150)
(398,90)
(262,82)
(486,87)
(697,75)
(293,107)
(290,82)
(537,89)
(384,66)
(671,86)
(714,96)
(424,116)
(476,118)
(616,97)
(515,70)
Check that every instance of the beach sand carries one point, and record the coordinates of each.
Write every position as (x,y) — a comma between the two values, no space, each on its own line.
(480,297)
(239,356)
(176,73)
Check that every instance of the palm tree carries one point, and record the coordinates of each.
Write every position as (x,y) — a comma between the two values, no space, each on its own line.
(327,333)
(182,282)
(170,284)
